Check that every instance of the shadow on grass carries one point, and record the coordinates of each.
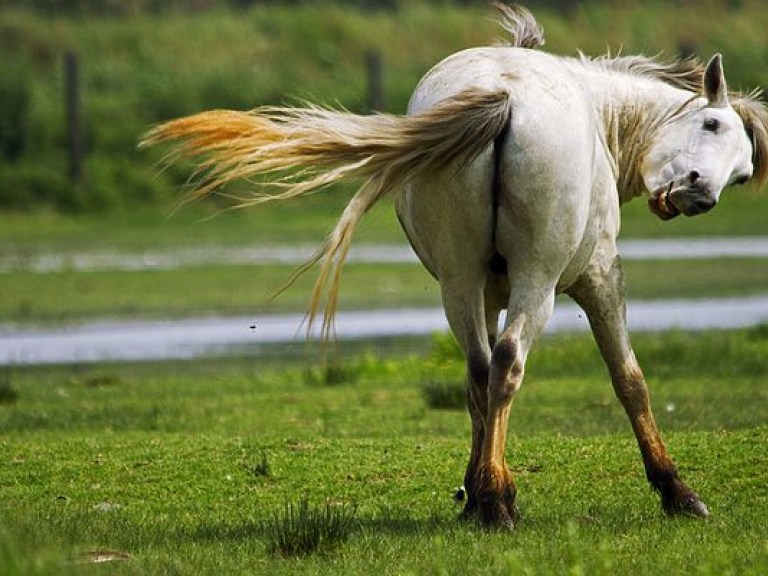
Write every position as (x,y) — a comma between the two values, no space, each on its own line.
(400,524)
(211,532)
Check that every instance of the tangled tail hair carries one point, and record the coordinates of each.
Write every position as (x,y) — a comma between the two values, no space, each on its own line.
(287,152)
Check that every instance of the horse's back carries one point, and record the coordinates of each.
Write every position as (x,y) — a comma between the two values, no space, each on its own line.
(527,74)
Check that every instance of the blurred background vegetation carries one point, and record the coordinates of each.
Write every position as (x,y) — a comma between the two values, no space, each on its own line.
(144,61)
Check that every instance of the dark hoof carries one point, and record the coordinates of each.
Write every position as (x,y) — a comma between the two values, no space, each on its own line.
(491,499)
(468,514)
(503,519)
(686,505)
(494,512)
(491,517)
(499,518)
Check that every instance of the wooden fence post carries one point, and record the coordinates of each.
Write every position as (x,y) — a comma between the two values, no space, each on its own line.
(73,116)
(374,74)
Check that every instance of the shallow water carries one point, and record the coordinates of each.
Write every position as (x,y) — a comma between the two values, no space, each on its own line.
(174,339)
(665,249)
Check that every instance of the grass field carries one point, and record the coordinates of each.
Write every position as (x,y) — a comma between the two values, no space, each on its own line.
(184,468)
(742,212)
(189,467)
(69,294)
(148,66)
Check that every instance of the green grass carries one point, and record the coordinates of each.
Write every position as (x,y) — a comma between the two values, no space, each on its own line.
(147,67)
(163,228)
(303,529)
(180,505)
(308,220)
(71,296)
(181,467)
(68,295)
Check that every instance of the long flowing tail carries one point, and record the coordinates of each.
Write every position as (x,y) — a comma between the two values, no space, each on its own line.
(288,152)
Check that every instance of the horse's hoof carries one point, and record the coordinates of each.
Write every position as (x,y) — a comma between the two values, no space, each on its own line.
(491,514)
(468,513)
(698,508)
(499,518)
(496,513)
(687,505)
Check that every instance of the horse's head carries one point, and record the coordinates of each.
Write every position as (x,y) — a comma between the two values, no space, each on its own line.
(698,152)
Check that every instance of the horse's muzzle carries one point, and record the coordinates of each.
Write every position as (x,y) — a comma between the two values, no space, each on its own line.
(660,204)
(669,201)
(691,200)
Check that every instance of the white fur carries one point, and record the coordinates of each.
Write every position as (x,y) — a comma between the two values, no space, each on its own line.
(581,139)
(508,172)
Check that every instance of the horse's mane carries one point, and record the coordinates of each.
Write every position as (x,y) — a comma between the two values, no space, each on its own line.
(754,114)
(520,25)
(683,73)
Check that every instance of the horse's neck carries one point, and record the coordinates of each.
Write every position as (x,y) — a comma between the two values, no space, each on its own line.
(631,111)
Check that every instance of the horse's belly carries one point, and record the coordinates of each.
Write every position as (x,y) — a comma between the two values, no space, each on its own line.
(578,263)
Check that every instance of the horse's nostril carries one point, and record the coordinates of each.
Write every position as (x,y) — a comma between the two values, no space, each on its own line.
(693,176)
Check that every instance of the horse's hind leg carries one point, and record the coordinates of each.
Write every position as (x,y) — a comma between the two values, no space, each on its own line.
(464,307)
(600,292)
(477,344)
(527,313)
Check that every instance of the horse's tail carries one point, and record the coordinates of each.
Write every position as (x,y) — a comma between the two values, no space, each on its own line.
(292,151)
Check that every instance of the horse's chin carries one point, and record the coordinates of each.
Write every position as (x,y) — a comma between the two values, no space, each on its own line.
(660,203)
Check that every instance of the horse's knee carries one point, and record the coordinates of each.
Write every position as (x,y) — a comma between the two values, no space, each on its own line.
(506,368)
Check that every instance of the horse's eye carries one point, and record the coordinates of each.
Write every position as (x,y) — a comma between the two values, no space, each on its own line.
(711,124)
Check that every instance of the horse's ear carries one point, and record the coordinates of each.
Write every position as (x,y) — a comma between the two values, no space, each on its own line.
(715,88)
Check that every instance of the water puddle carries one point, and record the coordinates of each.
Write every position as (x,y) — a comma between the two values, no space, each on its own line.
(666,249)
(188,338)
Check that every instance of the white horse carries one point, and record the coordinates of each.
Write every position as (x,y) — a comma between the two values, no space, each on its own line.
(508,172)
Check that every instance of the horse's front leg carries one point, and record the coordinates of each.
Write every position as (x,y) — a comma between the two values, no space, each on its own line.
(600,292)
